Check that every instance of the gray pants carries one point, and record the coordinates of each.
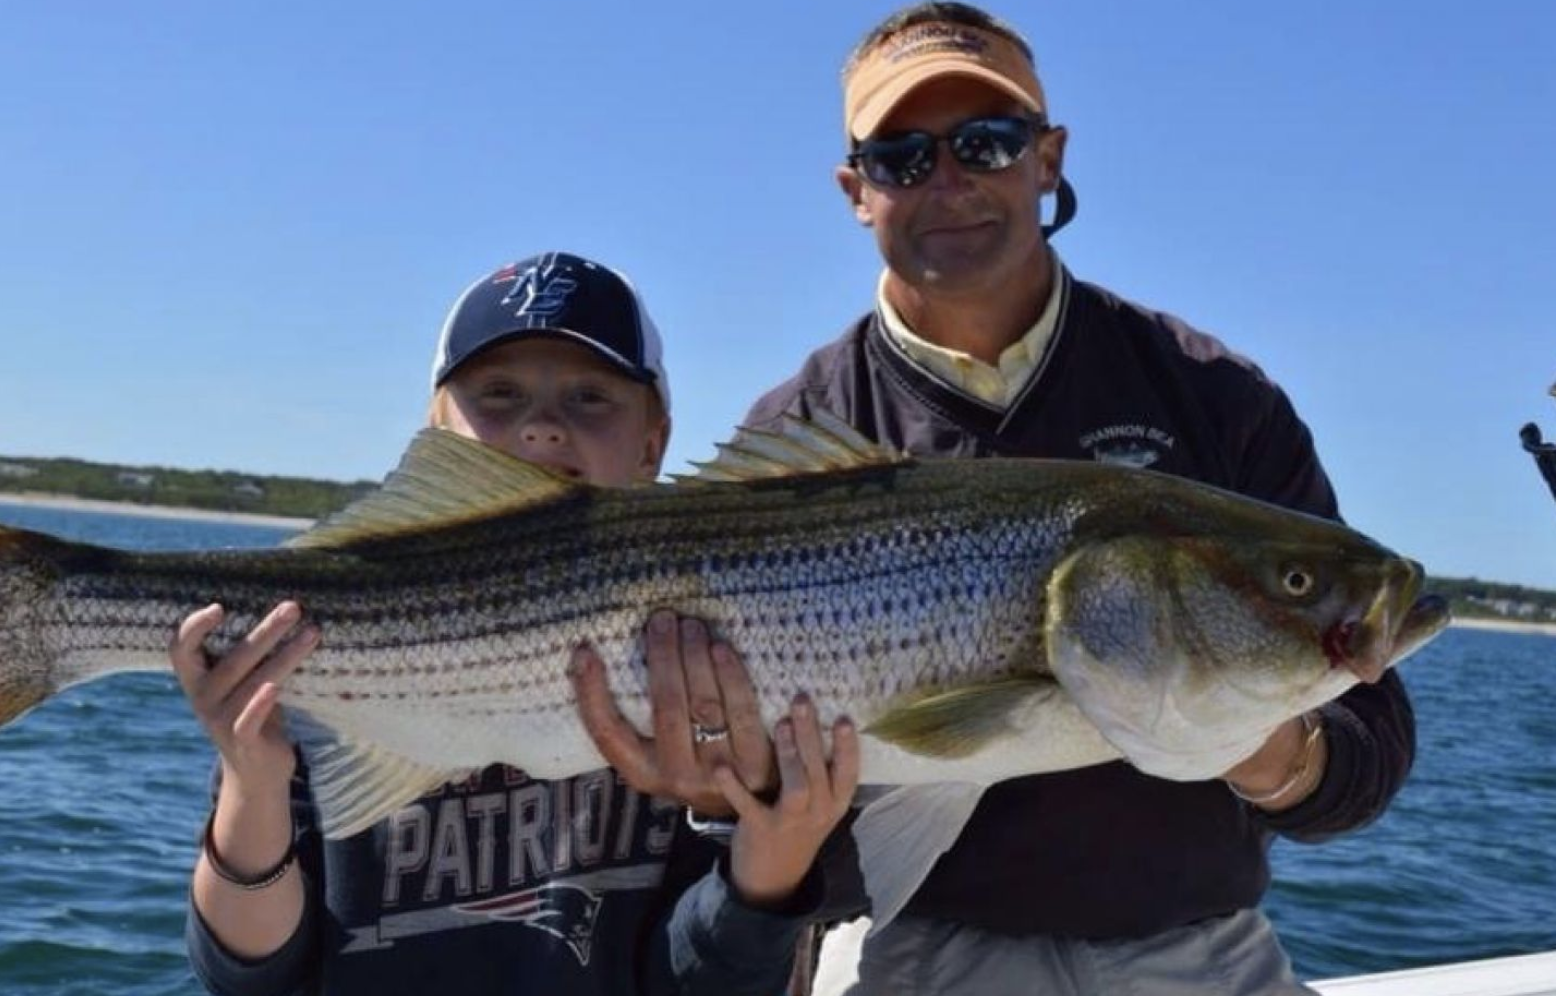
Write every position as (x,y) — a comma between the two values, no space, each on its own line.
(1236,955)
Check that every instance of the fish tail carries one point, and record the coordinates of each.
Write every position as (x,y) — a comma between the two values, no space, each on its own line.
(30,563)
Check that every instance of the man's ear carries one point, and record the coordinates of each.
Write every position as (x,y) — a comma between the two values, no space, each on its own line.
(853,188)
(1050,158)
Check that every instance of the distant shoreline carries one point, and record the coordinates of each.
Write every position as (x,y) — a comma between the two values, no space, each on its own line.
(1506,625)
(68,503)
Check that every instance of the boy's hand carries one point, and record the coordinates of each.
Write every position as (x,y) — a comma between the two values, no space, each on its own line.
(705,717)
(234,698)
(774,845)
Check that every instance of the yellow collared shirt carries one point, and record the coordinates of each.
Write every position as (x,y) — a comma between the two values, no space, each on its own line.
(996,385)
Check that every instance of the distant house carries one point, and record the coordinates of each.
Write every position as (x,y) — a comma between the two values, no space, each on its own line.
(248,489)
(136,479)
(1512,609)
(16,469)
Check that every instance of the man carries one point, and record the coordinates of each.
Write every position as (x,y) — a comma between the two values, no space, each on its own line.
(982,344)
(1544,453)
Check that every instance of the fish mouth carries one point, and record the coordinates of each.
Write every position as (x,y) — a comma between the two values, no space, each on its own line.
(1427,617)
(1399,620)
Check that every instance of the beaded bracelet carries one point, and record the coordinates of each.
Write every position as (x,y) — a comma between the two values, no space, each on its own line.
(251,883)
(1314,730)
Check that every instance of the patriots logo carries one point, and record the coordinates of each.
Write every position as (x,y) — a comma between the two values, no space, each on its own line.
(542,291)
(566,912)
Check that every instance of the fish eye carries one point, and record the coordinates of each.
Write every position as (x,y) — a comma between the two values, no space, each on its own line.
(1298,581)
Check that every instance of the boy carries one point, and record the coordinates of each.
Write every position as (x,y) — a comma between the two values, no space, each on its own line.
(501,884)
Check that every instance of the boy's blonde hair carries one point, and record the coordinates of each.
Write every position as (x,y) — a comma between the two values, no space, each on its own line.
(437,411)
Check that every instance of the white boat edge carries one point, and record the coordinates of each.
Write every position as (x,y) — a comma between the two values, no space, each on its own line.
(1519,975)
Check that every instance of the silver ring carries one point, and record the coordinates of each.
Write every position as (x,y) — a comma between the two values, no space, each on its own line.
(708,734)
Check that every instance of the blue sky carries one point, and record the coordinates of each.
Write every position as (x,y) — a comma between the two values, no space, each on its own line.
(228,232)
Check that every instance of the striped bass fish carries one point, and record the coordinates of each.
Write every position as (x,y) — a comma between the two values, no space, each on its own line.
(979,619)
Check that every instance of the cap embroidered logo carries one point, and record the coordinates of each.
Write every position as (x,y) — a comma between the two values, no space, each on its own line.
(542,291)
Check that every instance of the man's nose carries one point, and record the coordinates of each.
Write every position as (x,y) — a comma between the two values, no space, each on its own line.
(948,174)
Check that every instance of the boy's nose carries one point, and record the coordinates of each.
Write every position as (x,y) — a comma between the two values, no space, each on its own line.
(542,432)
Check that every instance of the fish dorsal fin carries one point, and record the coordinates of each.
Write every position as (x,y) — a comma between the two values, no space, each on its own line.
(792,446)
(442,478)
(957,722)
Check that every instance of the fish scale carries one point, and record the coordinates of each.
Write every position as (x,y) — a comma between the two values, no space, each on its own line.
(487,581)
(880,570)
(761,617)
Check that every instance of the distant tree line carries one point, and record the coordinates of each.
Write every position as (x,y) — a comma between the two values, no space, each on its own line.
(213,490)
(1490,599)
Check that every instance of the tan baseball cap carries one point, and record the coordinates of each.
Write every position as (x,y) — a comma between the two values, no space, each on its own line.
(927,51)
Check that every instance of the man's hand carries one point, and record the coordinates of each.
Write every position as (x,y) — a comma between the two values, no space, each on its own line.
(1286,770)
(705,717)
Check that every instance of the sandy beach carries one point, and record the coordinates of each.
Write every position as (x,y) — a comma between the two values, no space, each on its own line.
(1508,626)
(71,504)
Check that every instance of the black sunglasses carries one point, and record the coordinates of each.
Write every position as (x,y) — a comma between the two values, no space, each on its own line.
(984,145)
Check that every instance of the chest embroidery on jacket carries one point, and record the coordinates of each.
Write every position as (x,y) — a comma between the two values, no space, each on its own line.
(1128,445)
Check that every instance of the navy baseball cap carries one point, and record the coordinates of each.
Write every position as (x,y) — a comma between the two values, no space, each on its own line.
(557,295)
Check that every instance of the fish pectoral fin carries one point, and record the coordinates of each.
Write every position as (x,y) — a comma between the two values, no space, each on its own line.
(791,447)
(355,784)
(443,478)
(960,721)
(902,834)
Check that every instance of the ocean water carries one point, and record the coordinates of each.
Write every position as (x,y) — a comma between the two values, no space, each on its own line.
(103,791)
